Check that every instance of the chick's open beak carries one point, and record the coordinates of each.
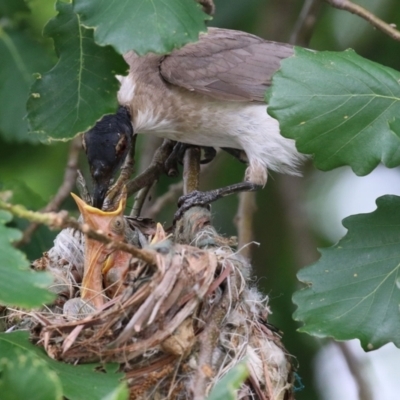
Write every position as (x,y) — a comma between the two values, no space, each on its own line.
(99,258)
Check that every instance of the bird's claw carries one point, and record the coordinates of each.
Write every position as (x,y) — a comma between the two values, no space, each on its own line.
(195,198)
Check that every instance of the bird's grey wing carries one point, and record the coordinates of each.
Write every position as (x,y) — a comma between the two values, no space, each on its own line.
(226,64)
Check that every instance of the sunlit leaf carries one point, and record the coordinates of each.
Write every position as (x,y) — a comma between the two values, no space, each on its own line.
(81,87)
(79,382)
(25,376)
(156,26)
(338,107)
(353,291)
(20,57)
(226,388)
(19,286)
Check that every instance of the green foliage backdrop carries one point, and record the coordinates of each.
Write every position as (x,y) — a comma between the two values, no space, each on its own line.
(349,119)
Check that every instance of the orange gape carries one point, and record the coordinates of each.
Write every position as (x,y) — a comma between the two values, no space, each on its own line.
(99,258)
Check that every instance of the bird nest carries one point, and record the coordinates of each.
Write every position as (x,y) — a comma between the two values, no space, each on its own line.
(176,326)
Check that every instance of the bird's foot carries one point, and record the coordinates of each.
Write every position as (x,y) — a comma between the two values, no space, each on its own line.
(178,153)
(195,198)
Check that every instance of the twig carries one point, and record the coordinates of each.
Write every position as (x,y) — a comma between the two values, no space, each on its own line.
(305,23)
(176,189)
(139,201)
(364,390)
(64,190)
(244,221)
(208,341)
(191,169)
(367,15)
(61,220)
(169,197)
(155,169)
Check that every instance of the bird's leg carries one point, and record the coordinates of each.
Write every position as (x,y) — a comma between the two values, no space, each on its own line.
(237,153)
(178,154)
(197,198)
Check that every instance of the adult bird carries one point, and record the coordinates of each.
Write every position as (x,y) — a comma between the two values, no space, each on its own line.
(211,93)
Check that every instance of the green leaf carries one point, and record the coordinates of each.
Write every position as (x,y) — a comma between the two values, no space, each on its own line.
(226,388)
(338,106)
(20,56)
(81,87)
(353,291)
(79,382)
(24,376)
(19,286)
(156,26)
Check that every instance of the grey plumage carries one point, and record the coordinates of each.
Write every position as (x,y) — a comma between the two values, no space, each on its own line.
(226,65)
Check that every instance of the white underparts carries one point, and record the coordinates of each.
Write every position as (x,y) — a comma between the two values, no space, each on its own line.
(197,119)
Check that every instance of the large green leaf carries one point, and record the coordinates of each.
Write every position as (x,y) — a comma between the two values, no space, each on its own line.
(81,87)
(20,57)
(338,107)
(24,376)
(145,26)
(19,286)
(79,382)
(227,387)
(353,291)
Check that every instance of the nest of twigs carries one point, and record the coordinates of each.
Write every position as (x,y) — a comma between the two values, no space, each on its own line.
(176,326)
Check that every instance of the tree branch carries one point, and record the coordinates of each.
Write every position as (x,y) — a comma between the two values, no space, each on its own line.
(305,23)
(191,169)
(61,220)
(244,222)
(367,15)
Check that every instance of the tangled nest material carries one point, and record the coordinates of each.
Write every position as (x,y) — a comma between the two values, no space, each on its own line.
(175,327)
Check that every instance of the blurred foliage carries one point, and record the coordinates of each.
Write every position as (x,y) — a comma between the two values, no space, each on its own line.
(57,378)
(40,167)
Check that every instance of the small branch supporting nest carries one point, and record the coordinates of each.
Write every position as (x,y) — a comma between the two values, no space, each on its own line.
(61,220)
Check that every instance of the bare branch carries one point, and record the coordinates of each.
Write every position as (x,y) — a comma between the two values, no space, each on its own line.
(174,191)
(304,26)
(155,169)
(191,169)
(244,221)
(139,201)
(61,220)
(64,190)
(367,15)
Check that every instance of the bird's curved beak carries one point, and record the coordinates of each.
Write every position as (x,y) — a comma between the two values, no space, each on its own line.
(98,257)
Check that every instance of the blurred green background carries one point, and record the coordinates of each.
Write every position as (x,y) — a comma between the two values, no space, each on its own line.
(287,241)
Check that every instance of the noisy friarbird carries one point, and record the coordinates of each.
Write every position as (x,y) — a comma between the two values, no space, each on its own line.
(210,93)
(107,145)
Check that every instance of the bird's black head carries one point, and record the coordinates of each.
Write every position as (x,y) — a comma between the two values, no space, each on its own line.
(107,145)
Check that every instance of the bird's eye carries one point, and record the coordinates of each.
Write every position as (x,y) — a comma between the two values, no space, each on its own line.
(118,225)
